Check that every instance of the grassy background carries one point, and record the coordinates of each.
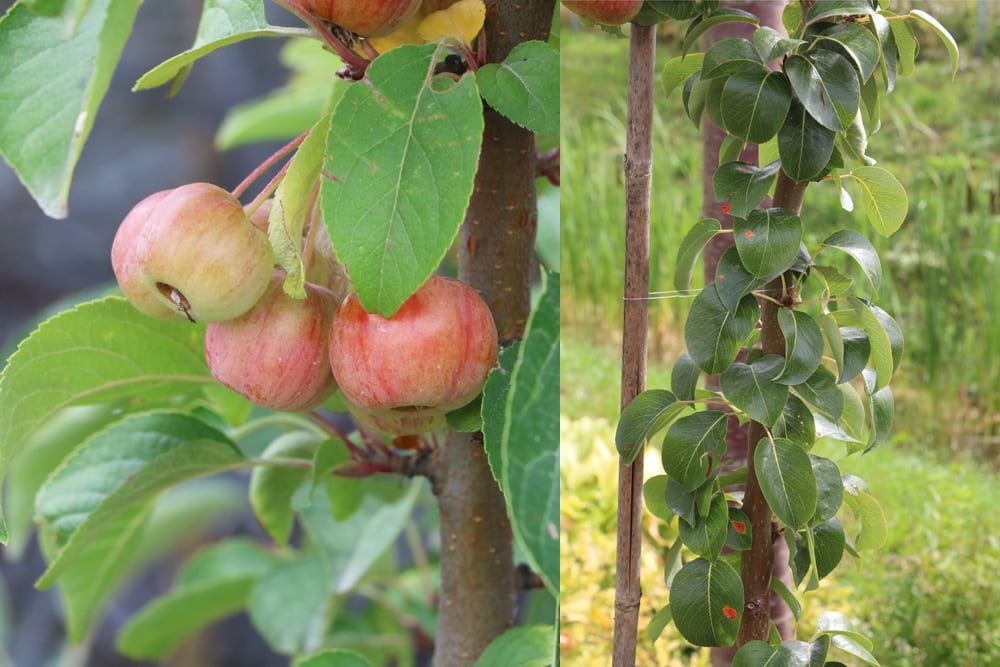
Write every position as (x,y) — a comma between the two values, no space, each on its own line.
(928,597)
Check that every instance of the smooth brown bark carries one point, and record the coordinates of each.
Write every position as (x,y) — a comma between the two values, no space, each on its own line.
(638,178)
(496,253)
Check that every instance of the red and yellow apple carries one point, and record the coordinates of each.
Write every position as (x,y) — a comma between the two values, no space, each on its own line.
(605,12)
(403,373)
(368,18)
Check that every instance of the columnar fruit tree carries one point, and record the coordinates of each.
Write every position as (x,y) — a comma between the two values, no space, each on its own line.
(312,338)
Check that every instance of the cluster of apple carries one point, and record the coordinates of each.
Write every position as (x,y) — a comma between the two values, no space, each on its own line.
(195,253)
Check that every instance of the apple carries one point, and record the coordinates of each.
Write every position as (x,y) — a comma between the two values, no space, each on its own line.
(191,253)
(321,264)
(276,353)
(403,373)
(605,12)
(368,18)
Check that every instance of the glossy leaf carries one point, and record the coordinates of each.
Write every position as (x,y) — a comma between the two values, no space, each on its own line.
(273,486)
(771,44)
(649,413)
(654,498)
(861,315)
(859,44)
(525,646)
(867,513)
(803,346)
(831,489)
(525,86)
(732,280)
(887,42)
(52,83)
(836,8)
(707,602)
(805,146)
(754,104)
(796,423)
(827,545)
(752,388)
(719,16)
(857,351)
(678,70)
(684,378)
(738,532)
(690,249)
(787,596)
(714,334)
(694,98)
(906,46)
(893,331)
(401,158)
(690,444)
(681,501)
(881,408)
(768,240)
(733,54)
(790,653)
(949,42)
(883,198)
(786,479)
(861,251)
(827,86)
(743,186)
(708,534)
(821,392)
(835,282)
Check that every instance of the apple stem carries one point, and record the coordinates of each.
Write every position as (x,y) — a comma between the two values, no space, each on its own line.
(356,64)
(268,163)
(268,190)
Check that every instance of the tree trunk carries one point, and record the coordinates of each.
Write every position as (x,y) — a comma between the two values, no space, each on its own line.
(496,254)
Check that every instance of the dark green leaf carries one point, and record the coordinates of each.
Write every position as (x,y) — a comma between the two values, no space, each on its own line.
(732,281)
(803,346)
(678,70)
(831,489)
(525,646)
(714,334)
(694,97)
(821,392)
(52,82)
(887,41)
(827,86)
(707,536)
(768,240)
(333,658)
(860,45)
(691,246)
(690,445)
(684,378)
(743,185)
(713,99)
(401,158)
(654,497)
(752,389)
(738,533)
(717,17)
(771,44)
(881,407)
(942,32)
(731,149)
(862,316)
(680,501)
(857,350)
(707,602)
(525,86)
(805,146)
(658,11)
(648,413)
(754,104)
(828,542)
(733,54)
(786,479)
(837,8)
(787,596)
(861,251)
(661,619)
(796,423)
(755,653)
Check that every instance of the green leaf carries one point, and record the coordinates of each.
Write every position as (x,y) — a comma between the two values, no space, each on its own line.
(654,497)
(738,532)
(867,513)
(680,501)
(837,8)
(714,334)
(684,378)
(695,97)
(821,392)
(754,104)
(887,42)
(678,70)
(707,602)
(752,388)
(733,54)
(860,45)
(861,251)
(97,503)
(856,352)
(827,86)
(223,22)
(529,464)
(805,146)
(690,444)
(708,535)
(835,283)
(791,653)
(648,413)
(803,346)
(862,316)
(661,619)
(796,423)
(771,44)
(290,603)
(691,246)
(942,32)
(273,486)
(719,16)
(401,159)
(906,46)
(52,81)
(743,185)
(827,544)
(893,331)
(787,596)
(831,489)
(768,240)
(525,646)
(338,657)
(881,407)
(100,351)
(215,583)
(786,479)
(883,197)
(732,280)
(525,86)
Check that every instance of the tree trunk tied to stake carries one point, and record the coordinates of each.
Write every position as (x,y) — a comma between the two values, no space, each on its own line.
(479,583)
(638,178)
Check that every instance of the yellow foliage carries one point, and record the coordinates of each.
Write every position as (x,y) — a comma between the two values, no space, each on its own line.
(461,21)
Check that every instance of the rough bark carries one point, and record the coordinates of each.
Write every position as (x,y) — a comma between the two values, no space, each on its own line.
(496,251)
(638,178)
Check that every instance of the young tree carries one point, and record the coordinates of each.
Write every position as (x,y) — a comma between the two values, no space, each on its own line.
(248,326)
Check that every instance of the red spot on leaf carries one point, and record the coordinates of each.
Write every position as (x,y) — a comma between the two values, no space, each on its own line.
(748,234)
(729,612)
(725,207)
(740,526)
(722,276)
